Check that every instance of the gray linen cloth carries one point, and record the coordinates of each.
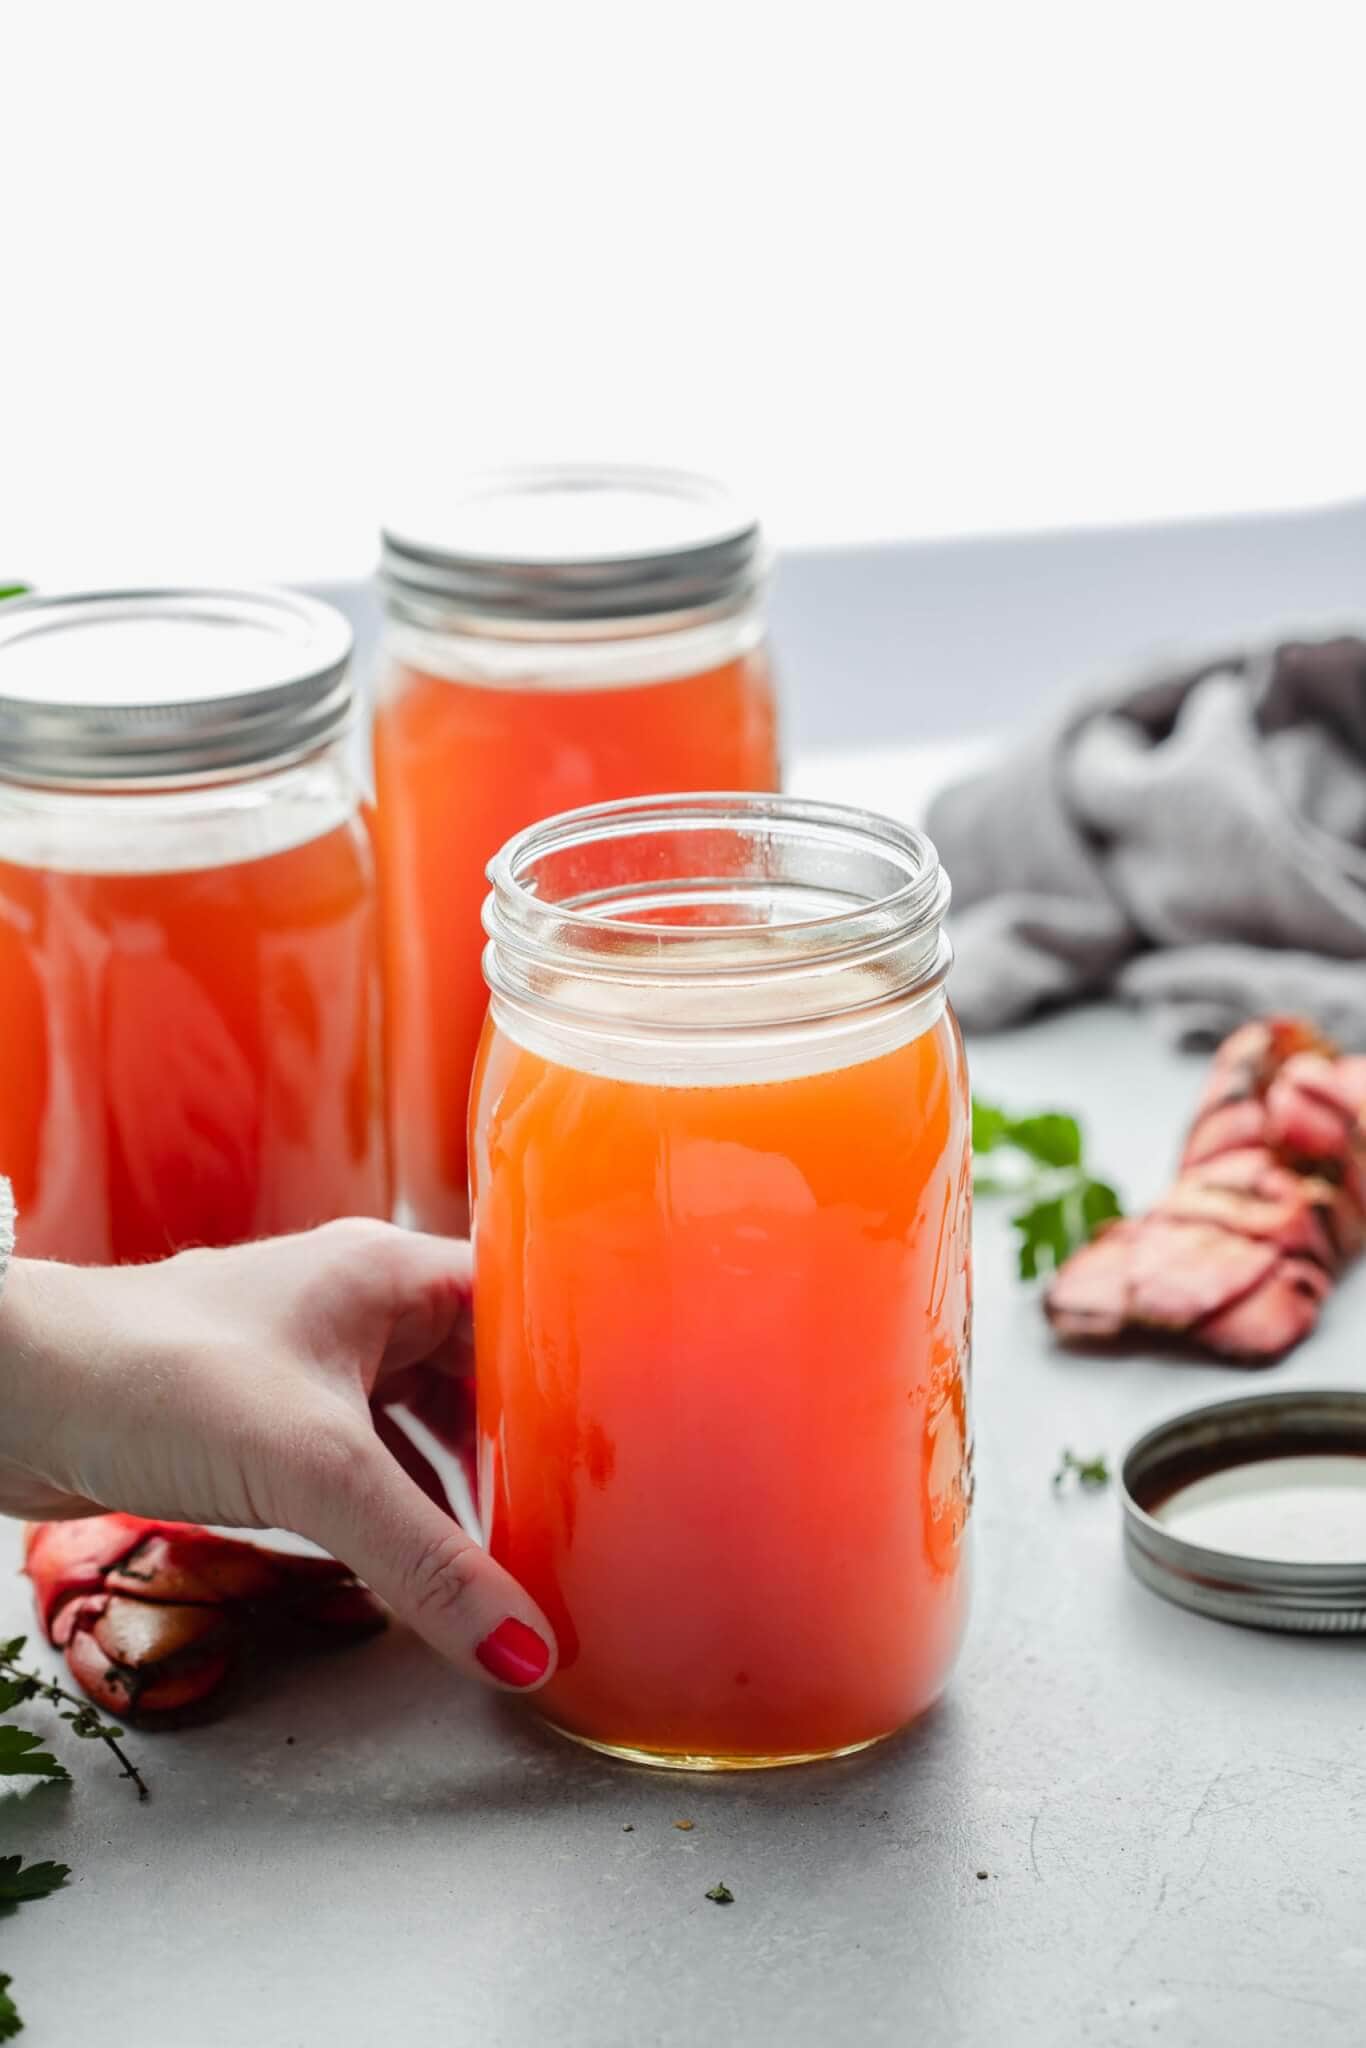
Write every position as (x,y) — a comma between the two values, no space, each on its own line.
(1193,840)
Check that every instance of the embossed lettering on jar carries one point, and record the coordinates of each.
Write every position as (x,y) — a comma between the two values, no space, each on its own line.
(722,1188)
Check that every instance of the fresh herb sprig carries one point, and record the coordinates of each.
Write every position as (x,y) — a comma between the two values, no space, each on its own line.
(22,1756)
(10,2022)
(20,1747)
(1044,1170)
(1090,1473)
(20,1883)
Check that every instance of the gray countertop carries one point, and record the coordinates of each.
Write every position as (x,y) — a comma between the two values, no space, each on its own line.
(1171,1811)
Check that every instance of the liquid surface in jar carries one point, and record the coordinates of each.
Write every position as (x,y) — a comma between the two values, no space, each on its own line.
(460,768)
(722,1338)
(191,1057)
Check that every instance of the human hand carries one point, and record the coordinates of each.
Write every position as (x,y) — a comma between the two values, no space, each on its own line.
(235,1387)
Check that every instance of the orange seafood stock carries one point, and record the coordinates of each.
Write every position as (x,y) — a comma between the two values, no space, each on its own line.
(191,1057)
(722,1335)
(460,767)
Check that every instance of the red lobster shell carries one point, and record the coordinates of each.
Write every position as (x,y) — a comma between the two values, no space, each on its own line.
(1268,1205)
(154,1615)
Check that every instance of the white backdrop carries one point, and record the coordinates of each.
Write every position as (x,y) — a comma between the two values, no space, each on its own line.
(897,269)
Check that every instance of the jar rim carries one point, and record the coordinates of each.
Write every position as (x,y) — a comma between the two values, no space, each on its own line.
(519,917)
(822,944)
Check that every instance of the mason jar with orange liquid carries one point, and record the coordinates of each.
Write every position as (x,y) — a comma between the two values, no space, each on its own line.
(554,637)
(722,1194)
(189,947)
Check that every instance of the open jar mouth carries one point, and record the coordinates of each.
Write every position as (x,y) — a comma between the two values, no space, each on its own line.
(714,914)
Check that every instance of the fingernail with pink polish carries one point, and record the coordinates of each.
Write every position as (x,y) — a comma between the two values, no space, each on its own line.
(514,1653)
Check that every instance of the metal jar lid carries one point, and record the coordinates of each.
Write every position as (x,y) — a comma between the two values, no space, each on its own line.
(570,545)
(1254,1511)
(118,688)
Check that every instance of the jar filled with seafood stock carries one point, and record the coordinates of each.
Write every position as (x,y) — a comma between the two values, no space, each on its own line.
(554,637)
(189,944)
(722,1203)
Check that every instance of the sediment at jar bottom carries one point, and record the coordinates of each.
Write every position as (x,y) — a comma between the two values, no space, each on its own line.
(722,1340)
(716,1763)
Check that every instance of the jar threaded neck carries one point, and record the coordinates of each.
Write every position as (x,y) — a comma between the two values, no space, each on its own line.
(699,920)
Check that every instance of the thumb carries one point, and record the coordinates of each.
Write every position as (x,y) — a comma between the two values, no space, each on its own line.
(437,1579)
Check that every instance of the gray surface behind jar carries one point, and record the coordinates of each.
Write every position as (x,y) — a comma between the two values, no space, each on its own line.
(927,640)
(1172,1813)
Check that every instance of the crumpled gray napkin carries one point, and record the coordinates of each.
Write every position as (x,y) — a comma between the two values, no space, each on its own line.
(1193,840)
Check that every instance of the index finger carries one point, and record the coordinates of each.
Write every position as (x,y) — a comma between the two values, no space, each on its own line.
(423,1293)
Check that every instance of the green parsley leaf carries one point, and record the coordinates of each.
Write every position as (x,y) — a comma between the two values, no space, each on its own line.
(14,1691)
(20,1756)
(1052,1139)
(12,590)
(20,1880)
(1063,1206)
(1049,1139)
(1099,1204)
(1044,1237)
(12,1649)
(1092,1473)
(1055,1227)
(722,1895)
(989,1126)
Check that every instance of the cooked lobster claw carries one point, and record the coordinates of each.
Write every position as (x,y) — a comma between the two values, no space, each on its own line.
(154,1615)
(1269,1202)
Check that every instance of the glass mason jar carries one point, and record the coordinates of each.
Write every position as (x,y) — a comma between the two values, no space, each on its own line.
(557,637)
(722,1201)
(189,950)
